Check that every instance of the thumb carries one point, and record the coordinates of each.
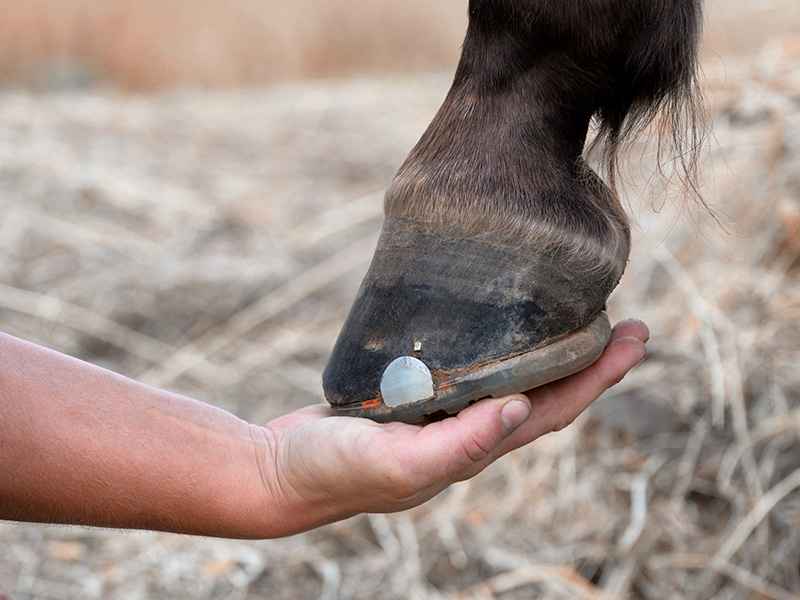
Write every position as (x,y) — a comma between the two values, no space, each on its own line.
(463,445)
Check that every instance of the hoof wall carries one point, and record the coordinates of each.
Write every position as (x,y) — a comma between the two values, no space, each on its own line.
(410,393)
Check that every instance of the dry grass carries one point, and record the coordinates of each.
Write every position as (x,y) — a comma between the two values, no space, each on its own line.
(147,44)
(143,44)
(213,242)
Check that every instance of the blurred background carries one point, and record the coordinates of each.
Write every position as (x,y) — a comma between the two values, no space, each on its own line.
(190,195)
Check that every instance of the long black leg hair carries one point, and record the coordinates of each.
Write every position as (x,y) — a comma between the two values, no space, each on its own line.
(639,58)
(656,83)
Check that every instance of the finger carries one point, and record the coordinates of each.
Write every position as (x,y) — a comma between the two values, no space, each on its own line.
(557,405)
(578,391)
(449,449)
(631,328)
(301,417)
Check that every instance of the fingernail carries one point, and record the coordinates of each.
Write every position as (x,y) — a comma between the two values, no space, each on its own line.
(514,414)
(646,328)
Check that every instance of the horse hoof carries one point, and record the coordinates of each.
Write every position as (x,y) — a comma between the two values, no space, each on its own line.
(409,394)
(442,321)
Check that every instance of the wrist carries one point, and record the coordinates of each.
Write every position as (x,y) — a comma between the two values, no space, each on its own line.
(222,497)
(290,504)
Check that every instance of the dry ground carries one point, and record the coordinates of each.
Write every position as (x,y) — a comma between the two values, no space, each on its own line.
(213,242)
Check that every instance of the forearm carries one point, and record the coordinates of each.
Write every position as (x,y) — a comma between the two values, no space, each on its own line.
(82,445)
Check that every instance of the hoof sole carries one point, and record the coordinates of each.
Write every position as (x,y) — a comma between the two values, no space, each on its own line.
(563,357)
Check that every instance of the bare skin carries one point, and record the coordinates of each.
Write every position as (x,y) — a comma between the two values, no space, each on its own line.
(82,445)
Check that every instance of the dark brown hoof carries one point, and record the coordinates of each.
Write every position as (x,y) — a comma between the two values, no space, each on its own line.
(409,392)
(443,321)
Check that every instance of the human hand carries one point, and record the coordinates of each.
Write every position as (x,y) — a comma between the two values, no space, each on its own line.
(321,468)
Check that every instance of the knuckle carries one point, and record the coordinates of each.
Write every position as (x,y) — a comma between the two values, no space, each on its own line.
(613,379)
(474,449)
(561,423)
(403,482)
(401,487)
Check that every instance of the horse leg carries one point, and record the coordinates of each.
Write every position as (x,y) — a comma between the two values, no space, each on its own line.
(501,246)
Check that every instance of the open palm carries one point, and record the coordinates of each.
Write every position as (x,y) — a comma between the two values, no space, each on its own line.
(339,466)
